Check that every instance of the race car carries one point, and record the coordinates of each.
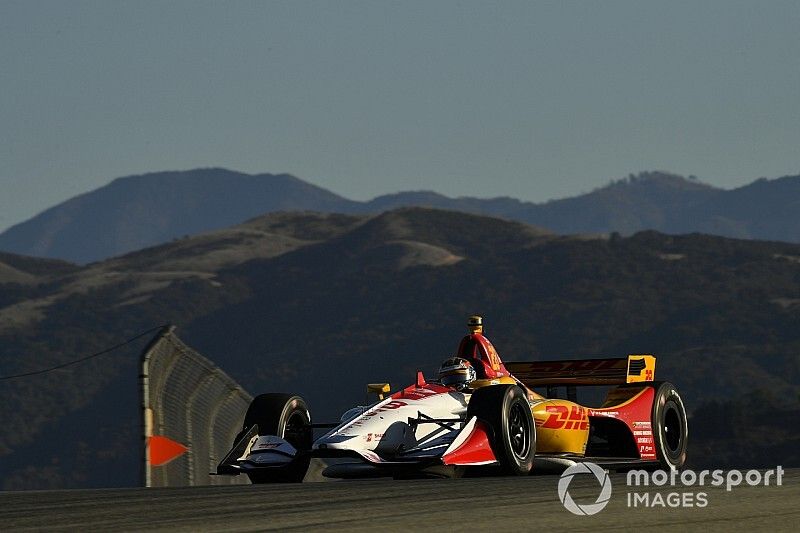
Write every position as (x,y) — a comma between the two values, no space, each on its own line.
(480,414)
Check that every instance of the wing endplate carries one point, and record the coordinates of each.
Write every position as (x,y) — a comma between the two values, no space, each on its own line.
(641,368)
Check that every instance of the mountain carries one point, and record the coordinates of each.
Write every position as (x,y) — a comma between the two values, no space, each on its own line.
(765,209)
(654,200)
(319,304)
(139,211)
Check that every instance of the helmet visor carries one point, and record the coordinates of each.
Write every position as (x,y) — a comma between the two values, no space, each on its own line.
(460,376)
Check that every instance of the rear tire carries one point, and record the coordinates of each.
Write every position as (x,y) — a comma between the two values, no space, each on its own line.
(285,416)
(670,428)
(506,410)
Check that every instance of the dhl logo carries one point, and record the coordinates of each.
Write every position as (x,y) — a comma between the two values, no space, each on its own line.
(494,359)
(562,417)
(549,367)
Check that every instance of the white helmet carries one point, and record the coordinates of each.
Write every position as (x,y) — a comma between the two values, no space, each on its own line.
(457,373)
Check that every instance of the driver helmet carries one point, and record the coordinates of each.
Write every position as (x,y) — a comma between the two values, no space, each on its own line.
(457,373)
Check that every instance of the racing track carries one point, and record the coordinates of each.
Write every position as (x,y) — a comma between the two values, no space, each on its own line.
(452,504)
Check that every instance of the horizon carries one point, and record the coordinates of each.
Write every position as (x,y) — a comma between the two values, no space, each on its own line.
(690,178)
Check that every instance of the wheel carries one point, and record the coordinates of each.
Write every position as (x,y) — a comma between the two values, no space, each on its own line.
(285,416)
(670,429)
(506,410)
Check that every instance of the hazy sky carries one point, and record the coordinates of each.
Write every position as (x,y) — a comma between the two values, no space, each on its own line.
(528,99)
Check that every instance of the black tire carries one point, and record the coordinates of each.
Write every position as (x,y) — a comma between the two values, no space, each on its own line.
(506,410)
(285,416)
(669,424)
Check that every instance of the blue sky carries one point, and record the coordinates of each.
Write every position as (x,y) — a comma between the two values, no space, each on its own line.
(535,100)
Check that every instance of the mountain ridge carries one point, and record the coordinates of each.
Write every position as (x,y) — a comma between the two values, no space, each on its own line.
(135,212)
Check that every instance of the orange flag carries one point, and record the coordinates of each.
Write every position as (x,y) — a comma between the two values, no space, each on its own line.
(163,450)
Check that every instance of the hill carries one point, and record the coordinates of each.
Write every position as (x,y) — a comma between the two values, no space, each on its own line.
(140,211)
(320,304)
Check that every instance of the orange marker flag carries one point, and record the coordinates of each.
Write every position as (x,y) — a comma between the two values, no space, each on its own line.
(163,450)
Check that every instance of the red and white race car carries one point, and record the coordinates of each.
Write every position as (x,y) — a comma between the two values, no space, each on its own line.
(480,414)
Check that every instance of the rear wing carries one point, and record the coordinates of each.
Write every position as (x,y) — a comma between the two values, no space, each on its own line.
(631,369)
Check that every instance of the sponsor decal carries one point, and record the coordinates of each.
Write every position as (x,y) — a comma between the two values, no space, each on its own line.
(394,404)
(561,416)
(580,366)
(369,437)
(418,394)
(494,359)
(609,414)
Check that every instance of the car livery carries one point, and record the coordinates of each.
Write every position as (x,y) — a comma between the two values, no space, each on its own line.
(508,420)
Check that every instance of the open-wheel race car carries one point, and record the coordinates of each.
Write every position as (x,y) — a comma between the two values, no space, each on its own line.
(479,415)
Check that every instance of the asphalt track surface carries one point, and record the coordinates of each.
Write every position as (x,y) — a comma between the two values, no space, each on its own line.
(522,504)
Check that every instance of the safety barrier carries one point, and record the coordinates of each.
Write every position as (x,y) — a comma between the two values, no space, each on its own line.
(192,412)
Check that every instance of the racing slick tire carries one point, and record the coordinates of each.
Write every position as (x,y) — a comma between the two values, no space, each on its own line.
(670,429)
(506,410)
(285,416)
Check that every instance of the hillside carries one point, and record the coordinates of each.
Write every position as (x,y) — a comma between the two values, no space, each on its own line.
(311,303)
(140,211)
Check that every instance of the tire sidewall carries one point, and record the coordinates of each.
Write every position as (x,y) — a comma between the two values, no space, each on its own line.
(524,464)
(265,411)
(492,405)
(667,408)
(295,407)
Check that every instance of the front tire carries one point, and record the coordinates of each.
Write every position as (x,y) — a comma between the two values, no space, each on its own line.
(506,410)
(670,428)
(285,416)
